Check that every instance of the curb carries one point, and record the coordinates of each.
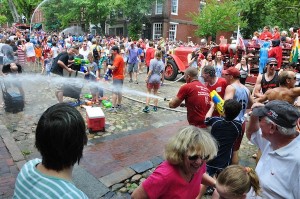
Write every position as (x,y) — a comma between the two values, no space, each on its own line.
(12,146)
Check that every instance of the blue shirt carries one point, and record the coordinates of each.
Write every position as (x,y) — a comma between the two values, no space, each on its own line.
(133,55)
(242,96)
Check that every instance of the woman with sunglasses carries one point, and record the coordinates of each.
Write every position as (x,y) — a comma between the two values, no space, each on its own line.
(183,171)
(235,181)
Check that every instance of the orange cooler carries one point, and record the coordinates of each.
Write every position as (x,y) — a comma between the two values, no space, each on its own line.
(95,119)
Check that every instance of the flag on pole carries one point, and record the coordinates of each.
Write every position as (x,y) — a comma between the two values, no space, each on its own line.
(295,50)
(239,40)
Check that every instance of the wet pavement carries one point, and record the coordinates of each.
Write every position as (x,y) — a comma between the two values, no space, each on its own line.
(132,143)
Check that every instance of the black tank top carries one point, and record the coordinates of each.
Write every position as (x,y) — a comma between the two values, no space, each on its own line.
(265,85)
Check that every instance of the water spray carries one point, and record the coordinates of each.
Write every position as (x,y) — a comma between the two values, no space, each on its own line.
(34,13)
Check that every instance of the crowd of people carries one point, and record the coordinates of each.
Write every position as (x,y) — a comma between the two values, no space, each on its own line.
(199,156)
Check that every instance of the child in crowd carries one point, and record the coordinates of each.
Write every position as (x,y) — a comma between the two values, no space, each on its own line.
(235,182)
(38,55)
(93,74)
(225,130)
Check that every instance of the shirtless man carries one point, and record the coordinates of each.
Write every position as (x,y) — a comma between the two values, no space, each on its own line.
(286,91)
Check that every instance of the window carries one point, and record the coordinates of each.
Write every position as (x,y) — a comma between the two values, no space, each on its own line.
(157,30)
(172,31)
(158,7)
(119,31)
(174,7)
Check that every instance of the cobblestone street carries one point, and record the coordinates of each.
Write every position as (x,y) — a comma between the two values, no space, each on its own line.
(132,143)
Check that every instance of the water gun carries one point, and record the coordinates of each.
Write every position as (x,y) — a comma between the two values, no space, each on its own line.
(106,103)
(79,61)
(215,97)
(108,74)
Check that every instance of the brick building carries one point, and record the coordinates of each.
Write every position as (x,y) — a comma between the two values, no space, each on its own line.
(169,20)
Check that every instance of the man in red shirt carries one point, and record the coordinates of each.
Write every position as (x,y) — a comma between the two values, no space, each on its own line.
(212,82)
(149,55)
(196,96)
(266,34)
(118,78)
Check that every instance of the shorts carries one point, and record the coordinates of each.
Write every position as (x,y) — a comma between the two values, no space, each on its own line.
(132,68)
(58,84)
(153,85)
(117,85)
(238,141)
(30,59)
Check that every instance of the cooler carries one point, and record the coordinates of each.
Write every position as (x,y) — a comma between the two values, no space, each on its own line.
(95,119)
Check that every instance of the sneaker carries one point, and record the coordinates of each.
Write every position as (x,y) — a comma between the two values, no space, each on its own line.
(136,82)
(146,109)
(154,108)
(112,110)
(130,81)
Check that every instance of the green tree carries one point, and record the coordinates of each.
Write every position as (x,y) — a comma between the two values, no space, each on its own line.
(3,19)
(216,17)
(259,13)
(5,11)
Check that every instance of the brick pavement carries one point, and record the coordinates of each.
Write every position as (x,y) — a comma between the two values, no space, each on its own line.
(8,172)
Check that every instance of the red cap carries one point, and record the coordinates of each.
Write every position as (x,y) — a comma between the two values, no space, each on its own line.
(232,71)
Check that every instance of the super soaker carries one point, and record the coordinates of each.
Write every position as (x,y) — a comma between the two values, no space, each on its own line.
(215,97)
(79,61)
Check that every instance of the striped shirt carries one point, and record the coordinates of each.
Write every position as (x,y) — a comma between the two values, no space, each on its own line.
(31,183)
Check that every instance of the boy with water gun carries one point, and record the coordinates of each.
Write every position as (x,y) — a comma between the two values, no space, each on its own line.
(225,130)
(92,73)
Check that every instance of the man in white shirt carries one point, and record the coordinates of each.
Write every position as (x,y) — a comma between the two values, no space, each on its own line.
(272,127)
(84,51)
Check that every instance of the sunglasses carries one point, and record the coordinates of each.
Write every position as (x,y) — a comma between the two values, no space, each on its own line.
(272,65)
(294,78)
(196,157)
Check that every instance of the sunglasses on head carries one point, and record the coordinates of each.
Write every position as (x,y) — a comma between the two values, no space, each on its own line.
(272,65)
(196,157)
(294,78)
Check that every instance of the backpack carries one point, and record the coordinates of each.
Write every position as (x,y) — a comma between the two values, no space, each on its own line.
(96,53)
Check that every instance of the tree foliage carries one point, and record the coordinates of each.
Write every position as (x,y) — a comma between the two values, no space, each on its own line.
(97,12)
(259,13)
(216,17)
(3,19)
(5,11)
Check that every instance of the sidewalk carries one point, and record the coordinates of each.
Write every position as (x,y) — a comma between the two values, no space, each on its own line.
(11,160)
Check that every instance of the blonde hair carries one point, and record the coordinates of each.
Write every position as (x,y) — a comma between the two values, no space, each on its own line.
(90,56)
(238,180)
(190,140)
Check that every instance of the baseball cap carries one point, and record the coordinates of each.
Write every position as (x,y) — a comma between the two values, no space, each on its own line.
(280,112)
(232,71)
(272,59)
